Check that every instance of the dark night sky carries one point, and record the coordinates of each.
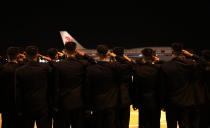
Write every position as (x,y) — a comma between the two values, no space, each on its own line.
(127,24)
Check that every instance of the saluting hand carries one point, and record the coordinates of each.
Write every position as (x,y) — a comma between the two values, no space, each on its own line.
(79,52)
(187,53)
(127,58)
(156,58)
(60,54)
(111,54)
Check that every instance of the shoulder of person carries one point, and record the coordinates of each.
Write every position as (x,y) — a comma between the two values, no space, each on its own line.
(21,69)
(83,62)
(92,68)
(157,65)
(167,64)
(45,66)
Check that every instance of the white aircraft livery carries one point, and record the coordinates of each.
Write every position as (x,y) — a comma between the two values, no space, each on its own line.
(163,53)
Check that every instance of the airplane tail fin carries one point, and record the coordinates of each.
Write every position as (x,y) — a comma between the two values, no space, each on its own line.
(66,37)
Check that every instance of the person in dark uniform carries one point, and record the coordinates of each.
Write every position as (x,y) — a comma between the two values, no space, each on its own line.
(146,82)
(201,84)
(88,116)
(53,84)
(102,89)
(7,88)
(71,82)
(32,91)
(177,90)
(123,112)
(205,109)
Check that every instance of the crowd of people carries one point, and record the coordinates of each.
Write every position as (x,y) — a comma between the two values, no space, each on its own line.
(80,91)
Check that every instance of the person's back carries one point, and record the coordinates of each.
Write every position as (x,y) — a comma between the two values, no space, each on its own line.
(71,77)
(102,90)
(202,74)
(178,92)
(205,115)
(32,91)
(125,84)
(146,82)
(201,85)
(146,89)
(7,78)
(71,73)
(125,80)
(54,78)
(32,78)
(178,74)
(7,89)
(103,84)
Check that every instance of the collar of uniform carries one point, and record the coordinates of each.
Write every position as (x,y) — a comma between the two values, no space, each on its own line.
(51,62)
(12,63)
(101,62)
(177,59)
(71,58)
(182,61)
(32,62)
(149,63)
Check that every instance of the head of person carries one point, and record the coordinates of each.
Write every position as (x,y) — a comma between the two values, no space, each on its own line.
(21,55)
(154,53)
(53,53)
(148,54)
(177,49)
(70,48)
(12,53)
(119,51)
(32,53)
(102,51)
(206,55)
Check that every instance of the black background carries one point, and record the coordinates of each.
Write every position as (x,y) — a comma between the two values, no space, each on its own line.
(128,24)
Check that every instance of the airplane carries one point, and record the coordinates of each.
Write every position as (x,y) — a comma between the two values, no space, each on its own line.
(164,53)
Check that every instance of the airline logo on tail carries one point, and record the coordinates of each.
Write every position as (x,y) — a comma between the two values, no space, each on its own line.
(66,37)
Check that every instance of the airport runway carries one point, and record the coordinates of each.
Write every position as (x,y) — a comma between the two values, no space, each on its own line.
(134,119)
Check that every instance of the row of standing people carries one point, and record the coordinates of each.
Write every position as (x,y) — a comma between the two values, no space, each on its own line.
(83,92)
